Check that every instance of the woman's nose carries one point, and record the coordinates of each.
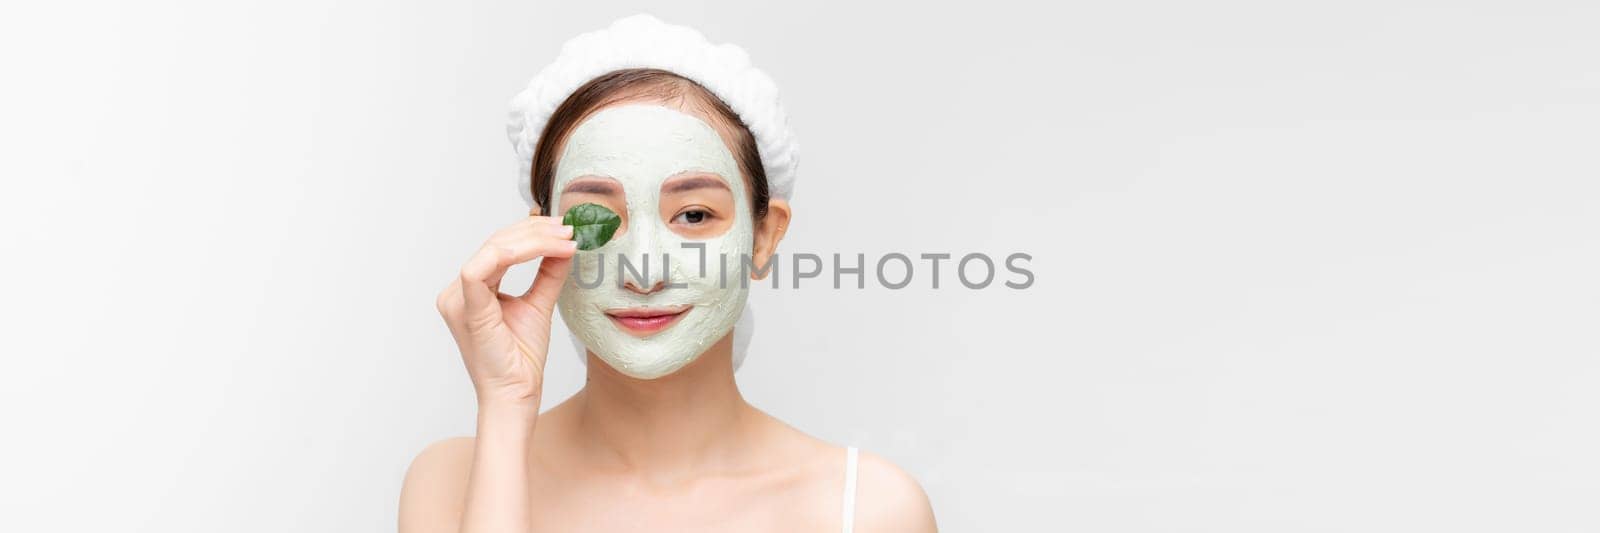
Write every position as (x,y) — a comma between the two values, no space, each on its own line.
(647,239)
(634,287)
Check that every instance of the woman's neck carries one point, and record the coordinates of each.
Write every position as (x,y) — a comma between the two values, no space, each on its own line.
(671,426)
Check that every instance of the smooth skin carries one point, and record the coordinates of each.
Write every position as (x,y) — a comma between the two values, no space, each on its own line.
(684,452)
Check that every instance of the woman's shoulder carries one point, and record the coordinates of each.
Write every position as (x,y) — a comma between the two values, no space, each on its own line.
(442,457)
(888,498)
(435,482)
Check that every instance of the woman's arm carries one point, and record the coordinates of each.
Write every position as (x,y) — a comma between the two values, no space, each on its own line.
(497,497)
(504,341)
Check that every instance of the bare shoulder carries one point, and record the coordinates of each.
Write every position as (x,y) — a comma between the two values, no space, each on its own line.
(888,499)
(432,497)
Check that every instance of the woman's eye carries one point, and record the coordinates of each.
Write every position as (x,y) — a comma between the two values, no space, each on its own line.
(691,217)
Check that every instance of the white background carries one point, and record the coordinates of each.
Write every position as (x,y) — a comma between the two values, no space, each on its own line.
(1299,267)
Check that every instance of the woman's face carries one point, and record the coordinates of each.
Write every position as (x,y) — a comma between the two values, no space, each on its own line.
(669,280)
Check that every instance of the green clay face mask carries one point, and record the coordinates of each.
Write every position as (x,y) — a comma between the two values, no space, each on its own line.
(653,334)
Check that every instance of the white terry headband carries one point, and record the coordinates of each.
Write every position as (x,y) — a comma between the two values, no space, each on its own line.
(643,41)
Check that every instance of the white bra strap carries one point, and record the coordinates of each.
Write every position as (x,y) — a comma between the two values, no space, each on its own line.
(849,489)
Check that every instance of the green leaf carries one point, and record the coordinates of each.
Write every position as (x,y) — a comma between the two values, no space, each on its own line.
(592,225)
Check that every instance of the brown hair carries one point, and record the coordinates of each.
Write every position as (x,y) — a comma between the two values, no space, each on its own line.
(646,84)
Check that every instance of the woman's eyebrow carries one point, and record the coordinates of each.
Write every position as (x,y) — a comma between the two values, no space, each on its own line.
(697,182)
(590,186)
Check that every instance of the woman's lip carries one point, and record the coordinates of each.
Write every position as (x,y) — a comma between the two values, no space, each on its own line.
(646,320)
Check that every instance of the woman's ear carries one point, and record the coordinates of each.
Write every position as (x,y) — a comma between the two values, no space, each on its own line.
(533,211)
(768,234)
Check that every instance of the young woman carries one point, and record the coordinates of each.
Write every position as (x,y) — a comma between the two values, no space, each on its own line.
(686,143)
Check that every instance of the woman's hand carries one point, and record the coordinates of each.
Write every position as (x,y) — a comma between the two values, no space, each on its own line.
(504,339)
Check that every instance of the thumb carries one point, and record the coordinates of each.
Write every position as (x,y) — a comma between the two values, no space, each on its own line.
(547,284)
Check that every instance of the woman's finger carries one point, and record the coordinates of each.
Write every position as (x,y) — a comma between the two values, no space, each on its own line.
(515,245)
(529,229)
(449,301)
(480,278)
